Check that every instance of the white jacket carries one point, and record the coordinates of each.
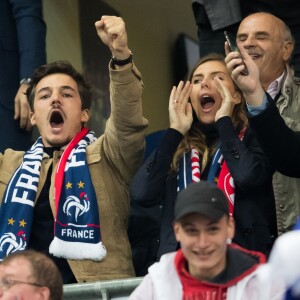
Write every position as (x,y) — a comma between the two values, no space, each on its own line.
(163,283)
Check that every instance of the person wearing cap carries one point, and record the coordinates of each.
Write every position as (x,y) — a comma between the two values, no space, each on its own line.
(207,266)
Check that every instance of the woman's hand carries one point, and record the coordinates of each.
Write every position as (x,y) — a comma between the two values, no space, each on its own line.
(180,110)
(228,102)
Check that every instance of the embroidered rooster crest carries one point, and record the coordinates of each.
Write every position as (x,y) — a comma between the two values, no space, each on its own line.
(11,239)
(80,206)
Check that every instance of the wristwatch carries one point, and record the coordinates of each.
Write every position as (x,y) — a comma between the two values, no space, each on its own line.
(122,62)
(25,81)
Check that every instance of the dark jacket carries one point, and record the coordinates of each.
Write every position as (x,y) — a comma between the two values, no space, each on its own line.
(280,143)
(22,49)
(254,210)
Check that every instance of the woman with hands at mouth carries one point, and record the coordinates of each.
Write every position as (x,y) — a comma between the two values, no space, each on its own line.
(209,139)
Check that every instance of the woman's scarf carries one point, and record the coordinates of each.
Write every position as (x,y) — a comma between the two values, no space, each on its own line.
(189,171)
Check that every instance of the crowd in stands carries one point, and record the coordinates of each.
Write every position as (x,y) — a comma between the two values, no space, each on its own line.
(225,173)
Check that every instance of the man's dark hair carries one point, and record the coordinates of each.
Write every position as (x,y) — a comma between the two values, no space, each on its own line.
(60,67)
(43,271)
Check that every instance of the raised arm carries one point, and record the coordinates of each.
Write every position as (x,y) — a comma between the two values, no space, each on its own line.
(123,141)
(112,32)
(280,143)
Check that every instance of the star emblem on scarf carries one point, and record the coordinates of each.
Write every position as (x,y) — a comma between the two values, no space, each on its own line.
(69,185)
(22,223)
(80,184)
(11,221)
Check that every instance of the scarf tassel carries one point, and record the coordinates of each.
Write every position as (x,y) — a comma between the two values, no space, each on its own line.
(78,251)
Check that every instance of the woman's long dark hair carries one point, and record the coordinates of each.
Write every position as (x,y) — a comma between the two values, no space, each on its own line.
(195,137)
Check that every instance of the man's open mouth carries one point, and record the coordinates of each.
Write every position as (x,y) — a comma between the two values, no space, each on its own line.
(56,119)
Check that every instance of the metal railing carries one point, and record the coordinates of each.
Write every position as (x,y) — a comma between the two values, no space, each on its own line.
(105,290)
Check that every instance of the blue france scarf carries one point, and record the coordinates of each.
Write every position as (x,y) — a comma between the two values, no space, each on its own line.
(77,230)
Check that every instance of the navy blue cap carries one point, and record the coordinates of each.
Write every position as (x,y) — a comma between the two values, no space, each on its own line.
(201,197)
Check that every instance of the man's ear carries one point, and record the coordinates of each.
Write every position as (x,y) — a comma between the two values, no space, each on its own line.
(176,227)
(231,228)
(85,115)
(287,50)
(44,293)
(32,118)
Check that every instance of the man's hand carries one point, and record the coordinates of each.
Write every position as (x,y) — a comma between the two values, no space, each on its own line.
(180,110)
(250,84)
(112,32)
(22,108)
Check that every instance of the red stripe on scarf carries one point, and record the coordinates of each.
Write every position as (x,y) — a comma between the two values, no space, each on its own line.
(59,176)
(225,181)
(195,165)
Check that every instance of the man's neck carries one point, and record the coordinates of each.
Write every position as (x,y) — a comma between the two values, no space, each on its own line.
(275,87)
(50,150)
(267,83)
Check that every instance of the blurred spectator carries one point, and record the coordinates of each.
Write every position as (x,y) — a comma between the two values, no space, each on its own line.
(30,275)
(206,266)
(281,275)
(22,49)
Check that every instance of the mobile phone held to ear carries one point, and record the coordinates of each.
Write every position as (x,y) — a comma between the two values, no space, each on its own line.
(233,47)
(231,42)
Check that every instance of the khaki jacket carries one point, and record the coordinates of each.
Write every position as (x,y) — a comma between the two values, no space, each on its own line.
(287,189)
(113,159)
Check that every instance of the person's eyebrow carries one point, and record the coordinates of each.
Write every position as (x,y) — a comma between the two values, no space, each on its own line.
(67,87)
(212,223)
(213,73)
(197,75)
(243,35)
(44,89)
(240,35)
(63,87)
(262,33)
(219,72)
